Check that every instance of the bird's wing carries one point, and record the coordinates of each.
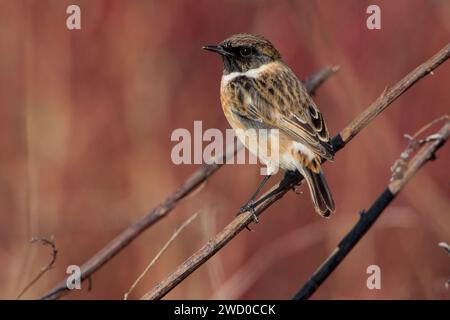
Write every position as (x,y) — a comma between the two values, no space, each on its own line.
(279,100)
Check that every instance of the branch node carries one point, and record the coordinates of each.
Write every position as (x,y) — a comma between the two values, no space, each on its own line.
(401,164)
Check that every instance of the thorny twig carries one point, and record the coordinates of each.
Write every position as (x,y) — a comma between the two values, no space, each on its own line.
(367,218)
(414,144)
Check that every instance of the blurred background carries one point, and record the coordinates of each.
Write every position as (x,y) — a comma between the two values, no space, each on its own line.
(85,123)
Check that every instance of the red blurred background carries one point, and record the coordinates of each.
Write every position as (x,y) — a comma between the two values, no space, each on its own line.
(85,124)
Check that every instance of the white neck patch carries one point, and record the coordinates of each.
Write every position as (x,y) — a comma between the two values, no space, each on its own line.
(252,73)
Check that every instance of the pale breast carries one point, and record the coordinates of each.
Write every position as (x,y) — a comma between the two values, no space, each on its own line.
(280,151)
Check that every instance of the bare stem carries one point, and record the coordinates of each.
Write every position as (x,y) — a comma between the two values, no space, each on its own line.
(159,254)
(45,268)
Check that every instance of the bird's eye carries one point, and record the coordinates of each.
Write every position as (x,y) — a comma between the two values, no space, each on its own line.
(245,52)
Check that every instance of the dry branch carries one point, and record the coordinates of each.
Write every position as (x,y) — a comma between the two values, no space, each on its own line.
(45,268)
(162,210)
(426,152)
(339,141)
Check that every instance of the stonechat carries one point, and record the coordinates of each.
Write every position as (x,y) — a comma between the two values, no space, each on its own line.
(259,91)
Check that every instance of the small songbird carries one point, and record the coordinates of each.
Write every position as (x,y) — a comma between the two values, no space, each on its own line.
(259,91)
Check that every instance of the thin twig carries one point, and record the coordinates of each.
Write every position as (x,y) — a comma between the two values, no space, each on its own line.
(367,219)
(195,181)
(427,126)
(314,81)
(339,142)
(159,254)
(45,268)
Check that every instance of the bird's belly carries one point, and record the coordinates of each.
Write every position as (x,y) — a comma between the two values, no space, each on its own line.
(261,143)
(254,140)
(272,149)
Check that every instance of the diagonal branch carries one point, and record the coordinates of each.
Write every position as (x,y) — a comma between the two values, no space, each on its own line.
(191,184)
(339,141)
(401,174)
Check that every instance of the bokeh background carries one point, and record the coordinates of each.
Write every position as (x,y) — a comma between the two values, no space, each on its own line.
(85,124)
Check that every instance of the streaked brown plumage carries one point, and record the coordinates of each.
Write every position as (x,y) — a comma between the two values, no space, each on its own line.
(260,91)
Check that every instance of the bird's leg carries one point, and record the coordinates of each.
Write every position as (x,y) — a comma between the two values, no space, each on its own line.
(290,179)
(251,204)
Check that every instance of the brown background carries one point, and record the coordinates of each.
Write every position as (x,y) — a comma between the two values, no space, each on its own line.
(85,124)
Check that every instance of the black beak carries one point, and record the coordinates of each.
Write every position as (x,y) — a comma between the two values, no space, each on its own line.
(218,49)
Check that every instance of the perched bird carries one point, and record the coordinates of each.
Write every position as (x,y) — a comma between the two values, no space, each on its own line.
(259,91)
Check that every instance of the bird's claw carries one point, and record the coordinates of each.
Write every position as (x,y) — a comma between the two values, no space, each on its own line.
(250,207)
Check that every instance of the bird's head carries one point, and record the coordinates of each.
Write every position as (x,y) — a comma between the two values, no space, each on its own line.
(243,52)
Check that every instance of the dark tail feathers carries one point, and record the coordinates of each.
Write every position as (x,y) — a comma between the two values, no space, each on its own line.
(320,193)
